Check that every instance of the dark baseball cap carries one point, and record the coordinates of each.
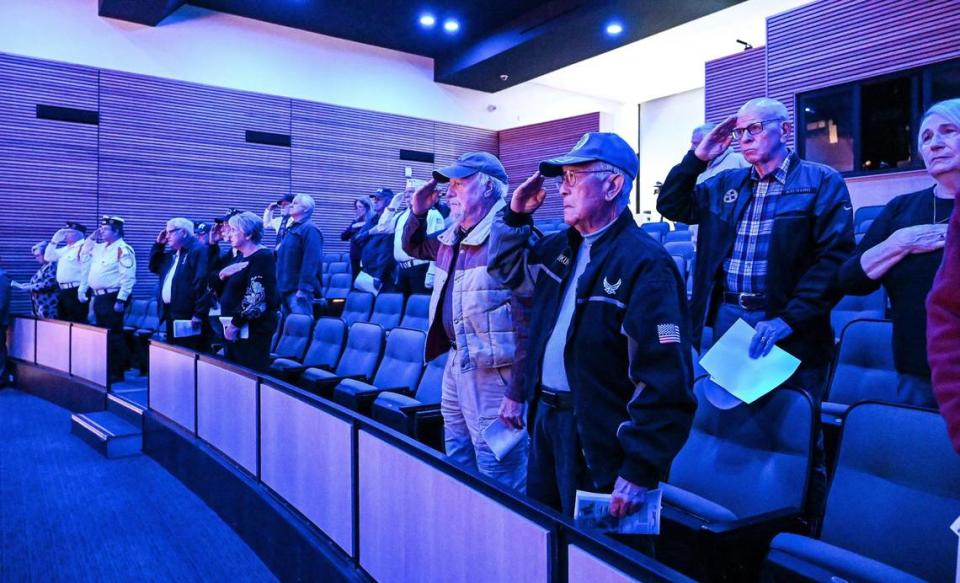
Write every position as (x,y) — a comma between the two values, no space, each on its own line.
(113,221)
(201,227)
(382,193)
(77,227)
(286,198)
(226,217)
(470,164)
(596,147)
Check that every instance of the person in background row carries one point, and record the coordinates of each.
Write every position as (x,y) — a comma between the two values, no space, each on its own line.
(472,316)
(183,279)
(299,257)
(282,223)
(414,276)
(43,286)
(249,299)
(110,279)
(774,237)
(202,231)
(376,241)
(728,160)
(903,249)
(609,358)
(940,147)
(363,214)
(4,322)
(70,271)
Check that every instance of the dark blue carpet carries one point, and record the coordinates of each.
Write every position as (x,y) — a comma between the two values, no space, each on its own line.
(69,514)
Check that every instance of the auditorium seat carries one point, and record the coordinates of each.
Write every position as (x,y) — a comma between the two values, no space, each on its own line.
(398,372)
(656,230)
(872,306)
(408,414)
(357,307)
(895,491)
(417,313)
(864,369)
(340,285)
(741,477)
(133,318)
(865,213)
(294,338)
(358,361)
(681,264)
(331,257)
(681,227)
(684,249)
(677,236)
(863,227)
(387,311)
(140,356)
(326,343)
(339,267)
(276,334)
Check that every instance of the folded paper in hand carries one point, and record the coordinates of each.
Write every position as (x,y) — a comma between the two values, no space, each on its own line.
(592,510)
(502,439)
(244,330)
(366,283)
(185,329)
(730,366)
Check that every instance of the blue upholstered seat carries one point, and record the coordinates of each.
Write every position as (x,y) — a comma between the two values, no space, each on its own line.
(357,307)
(685,235)
(338,267)
(294,338)
(417,313)
(399,370)
(359,359)
(340,285)
(894,494)
(326,344)
(656,230)
(864,368)
(684,249)
(387,311)
(864,214)
(388,408)
(872,306)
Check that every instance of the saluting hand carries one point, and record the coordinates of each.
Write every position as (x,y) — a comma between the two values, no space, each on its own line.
(717,141)
(162,237)
(528,197)
(425,197)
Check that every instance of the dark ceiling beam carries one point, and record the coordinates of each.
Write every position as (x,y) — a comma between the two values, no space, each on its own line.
(148,12)
(560,33)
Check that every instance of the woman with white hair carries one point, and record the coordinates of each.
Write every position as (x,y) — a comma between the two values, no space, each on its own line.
(249,299)
(904,247)
(42,286)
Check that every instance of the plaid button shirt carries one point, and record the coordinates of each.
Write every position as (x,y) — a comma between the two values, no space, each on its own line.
(746,268)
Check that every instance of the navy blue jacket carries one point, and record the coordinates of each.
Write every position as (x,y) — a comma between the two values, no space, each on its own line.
(299,256)
(812,236)
(630,327)
(188,297)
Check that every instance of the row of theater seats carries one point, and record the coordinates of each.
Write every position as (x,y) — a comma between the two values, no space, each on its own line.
(370,359)
(737,490)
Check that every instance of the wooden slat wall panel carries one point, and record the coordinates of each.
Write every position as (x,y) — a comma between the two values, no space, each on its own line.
(452,141)
(48,169)
(523,148)
(837,41)
(732,81)
(170,149)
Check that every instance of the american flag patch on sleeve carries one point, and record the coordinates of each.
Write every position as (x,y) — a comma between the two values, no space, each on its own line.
(668,333)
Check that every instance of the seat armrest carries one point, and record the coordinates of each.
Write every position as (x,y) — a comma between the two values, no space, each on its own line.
(783,520)
(324,387)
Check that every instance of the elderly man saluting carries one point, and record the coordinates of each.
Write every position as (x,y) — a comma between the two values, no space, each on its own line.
(609,368)
(473,316)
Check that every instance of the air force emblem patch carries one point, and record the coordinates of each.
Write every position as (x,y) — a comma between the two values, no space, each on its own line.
(730,196)
(611,288)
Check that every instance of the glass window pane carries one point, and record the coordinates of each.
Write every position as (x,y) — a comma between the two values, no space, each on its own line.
(886,124)
(945,82)
(827,128)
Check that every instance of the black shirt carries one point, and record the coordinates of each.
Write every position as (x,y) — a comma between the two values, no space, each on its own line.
(250,296)
(908,282)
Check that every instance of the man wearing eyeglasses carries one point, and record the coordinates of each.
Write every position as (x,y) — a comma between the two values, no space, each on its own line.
(772,238)
(181,294)
(609,368)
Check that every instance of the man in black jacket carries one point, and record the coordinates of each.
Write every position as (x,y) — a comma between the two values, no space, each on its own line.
(181,293)
(299,256)
(609,366)
(772,239)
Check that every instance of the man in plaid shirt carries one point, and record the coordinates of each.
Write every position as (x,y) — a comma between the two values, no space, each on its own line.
(772,238)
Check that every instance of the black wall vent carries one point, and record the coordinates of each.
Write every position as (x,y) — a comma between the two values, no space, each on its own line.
(69,114)
(415,156)
(268,138)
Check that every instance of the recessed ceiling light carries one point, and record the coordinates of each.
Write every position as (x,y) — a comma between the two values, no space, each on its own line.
(614,28)
(428,20)
(451,25)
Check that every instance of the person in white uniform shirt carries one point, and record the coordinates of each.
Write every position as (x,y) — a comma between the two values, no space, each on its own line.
(110,279)
(70,271)
(414,276)
(278,224)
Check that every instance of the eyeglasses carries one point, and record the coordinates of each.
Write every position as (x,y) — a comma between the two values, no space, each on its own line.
(569,177)
(752,129)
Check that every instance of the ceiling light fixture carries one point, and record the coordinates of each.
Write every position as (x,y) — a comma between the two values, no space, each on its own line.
(614,29)
(451,25)
(428,20)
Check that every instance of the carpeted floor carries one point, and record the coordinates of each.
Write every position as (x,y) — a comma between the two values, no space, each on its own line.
(69,514)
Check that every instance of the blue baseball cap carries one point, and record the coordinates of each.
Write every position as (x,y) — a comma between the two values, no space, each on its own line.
(596,147)
(470,164)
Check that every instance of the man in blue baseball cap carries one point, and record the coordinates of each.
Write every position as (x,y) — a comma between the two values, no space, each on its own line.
(475,320)
(610,377)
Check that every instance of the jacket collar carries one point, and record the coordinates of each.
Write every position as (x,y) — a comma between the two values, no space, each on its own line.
(478,235)
(622,222)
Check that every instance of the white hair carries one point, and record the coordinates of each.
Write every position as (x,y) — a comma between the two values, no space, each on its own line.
(767,105)
(948,109)
(499,186)
(623,198)
(249,224)
(306,201)
(181,223)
